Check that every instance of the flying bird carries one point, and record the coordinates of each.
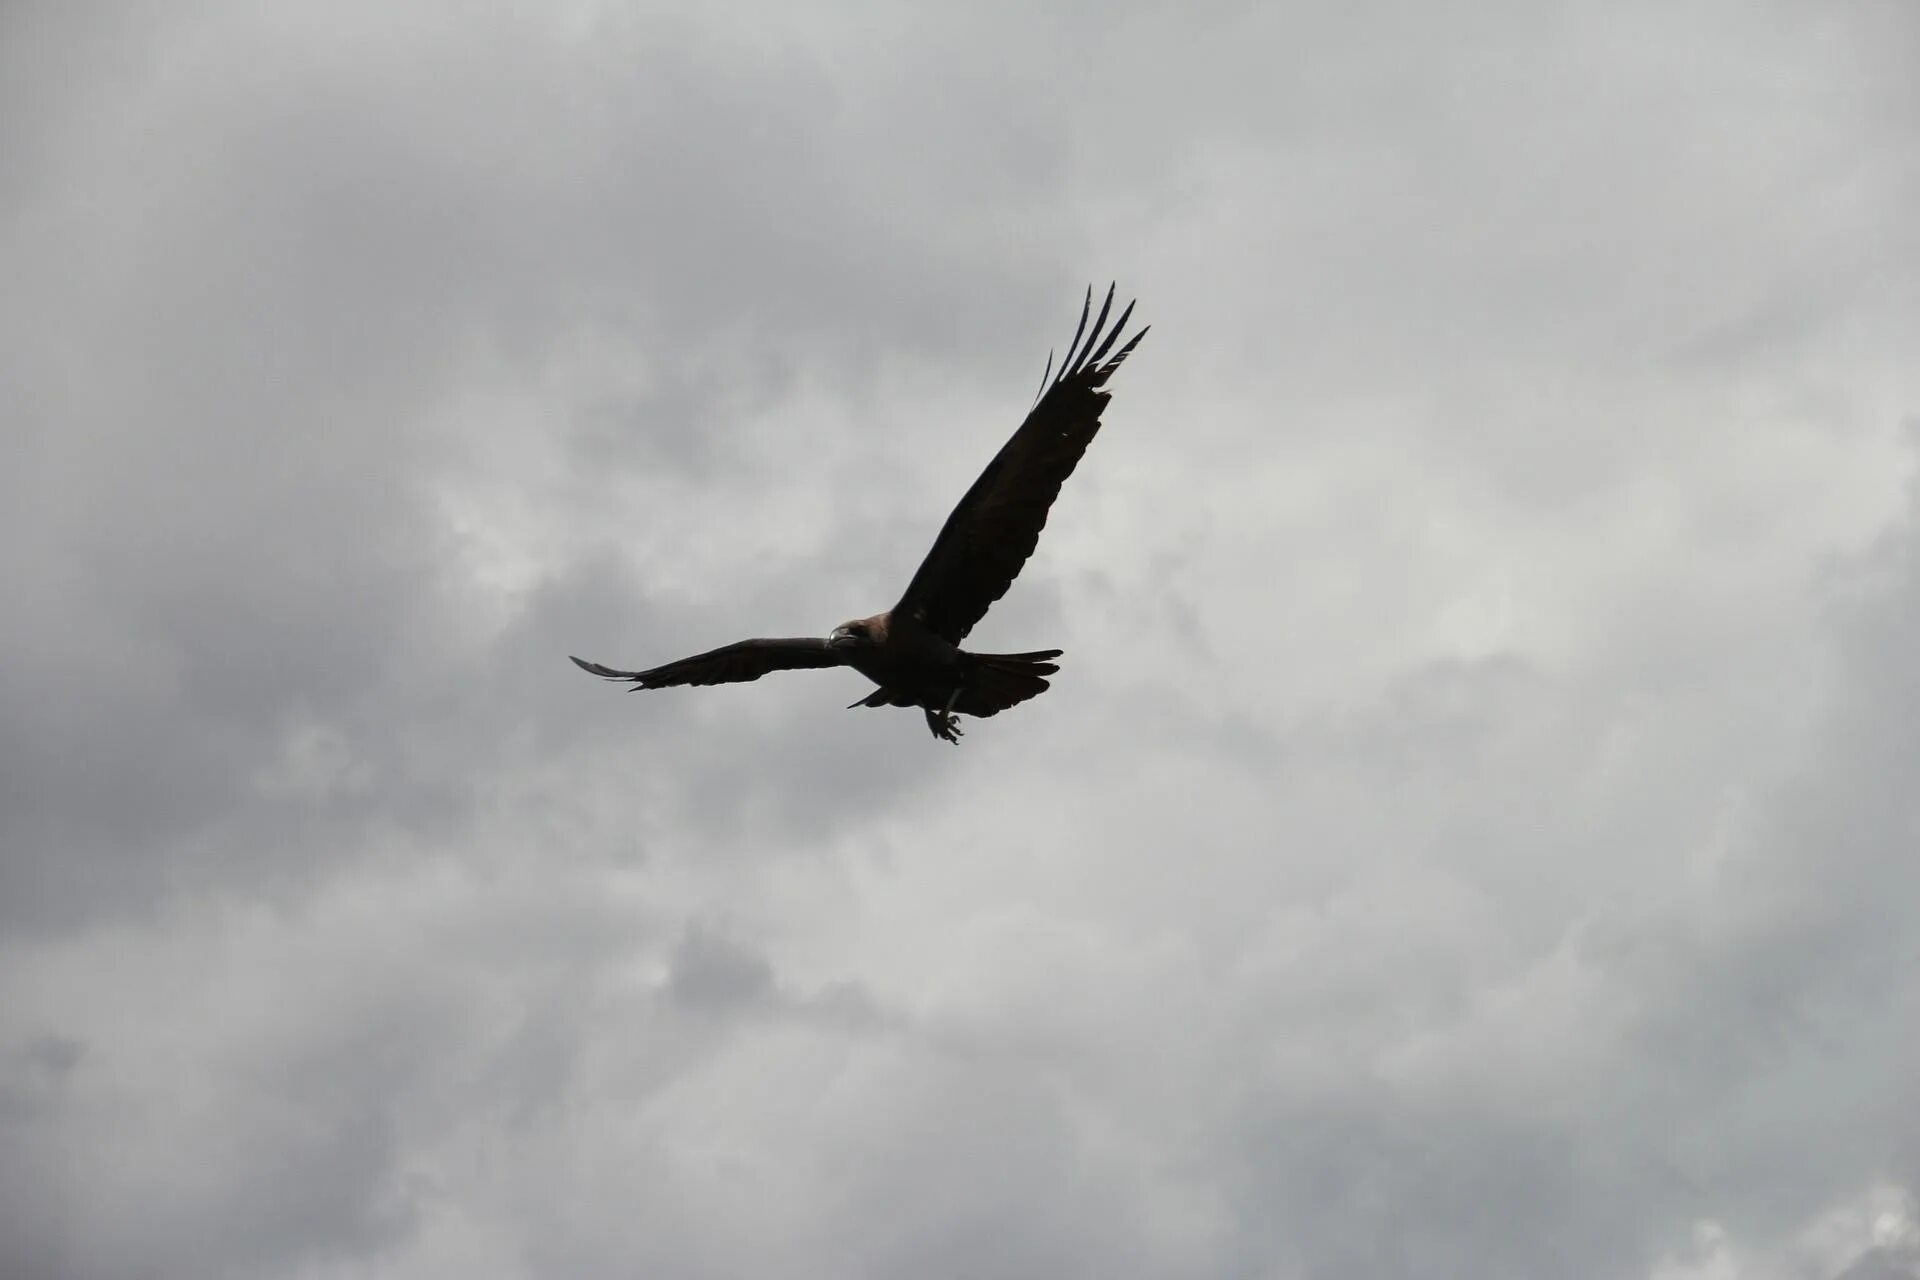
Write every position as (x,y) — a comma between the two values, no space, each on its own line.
(912,651)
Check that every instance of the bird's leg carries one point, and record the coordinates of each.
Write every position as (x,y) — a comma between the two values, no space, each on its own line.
(945,727)
(944,723)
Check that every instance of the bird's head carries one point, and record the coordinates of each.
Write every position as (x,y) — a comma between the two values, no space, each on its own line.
(857,634)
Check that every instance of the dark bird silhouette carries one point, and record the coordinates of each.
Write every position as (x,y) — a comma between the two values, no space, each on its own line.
(912,651)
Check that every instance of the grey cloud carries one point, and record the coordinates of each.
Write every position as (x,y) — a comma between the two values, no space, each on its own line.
(1884,1264)
(708,972)
(1469,836)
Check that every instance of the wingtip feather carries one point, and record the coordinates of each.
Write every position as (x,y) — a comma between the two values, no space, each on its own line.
(1113,334)
(1124,352)
(1045,375)
(1079,362)
(595,669)
(1086,309)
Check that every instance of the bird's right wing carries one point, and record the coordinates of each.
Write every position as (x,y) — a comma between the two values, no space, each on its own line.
(997,524)
(730,664)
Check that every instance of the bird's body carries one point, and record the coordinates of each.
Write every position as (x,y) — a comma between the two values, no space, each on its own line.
(903,657)
(915,667)
(912,651)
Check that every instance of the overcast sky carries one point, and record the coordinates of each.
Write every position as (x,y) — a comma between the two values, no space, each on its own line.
(1473,834)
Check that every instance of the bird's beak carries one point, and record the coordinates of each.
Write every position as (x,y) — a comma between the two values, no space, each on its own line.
(841,638)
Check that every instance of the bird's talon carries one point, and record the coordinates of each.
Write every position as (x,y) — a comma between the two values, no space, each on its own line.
(945,726)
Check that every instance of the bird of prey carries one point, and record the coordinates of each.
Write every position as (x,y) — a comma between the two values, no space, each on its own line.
(912,651)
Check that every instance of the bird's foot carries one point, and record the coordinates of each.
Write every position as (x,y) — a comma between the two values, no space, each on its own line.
(945,726)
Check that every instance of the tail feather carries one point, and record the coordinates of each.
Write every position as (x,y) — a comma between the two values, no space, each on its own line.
(1002,680)
(994,682)
(1036,663)
(1037,655)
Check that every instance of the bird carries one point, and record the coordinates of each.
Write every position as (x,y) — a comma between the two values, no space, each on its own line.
(912,651)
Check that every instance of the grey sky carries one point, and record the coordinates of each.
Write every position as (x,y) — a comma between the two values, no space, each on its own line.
(1472,833)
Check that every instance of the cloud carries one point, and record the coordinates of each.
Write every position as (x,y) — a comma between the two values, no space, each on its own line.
(1469,834)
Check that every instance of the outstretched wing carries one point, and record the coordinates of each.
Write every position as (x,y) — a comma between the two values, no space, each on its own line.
(997,525)
(730,664)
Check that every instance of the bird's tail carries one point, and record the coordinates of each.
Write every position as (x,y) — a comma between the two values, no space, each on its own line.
(1002,680)
(1039,662)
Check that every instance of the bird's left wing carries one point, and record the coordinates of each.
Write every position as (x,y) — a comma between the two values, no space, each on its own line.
(997,525)
(729,664)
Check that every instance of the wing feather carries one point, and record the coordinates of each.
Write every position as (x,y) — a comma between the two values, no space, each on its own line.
(1113,333)
(1093,336)
(729,664)
(989,536)
(1046,376)
(1086,309)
